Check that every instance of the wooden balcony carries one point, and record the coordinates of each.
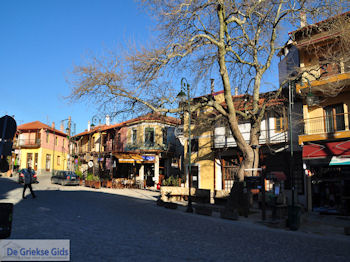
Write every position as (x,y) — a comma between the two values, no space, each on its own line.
(331,80)
(325,128)
(27,143)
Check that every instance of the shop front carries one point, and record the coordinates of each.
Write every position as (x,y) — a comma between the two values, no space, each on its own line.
(328,170)
(127,165)
(149,170)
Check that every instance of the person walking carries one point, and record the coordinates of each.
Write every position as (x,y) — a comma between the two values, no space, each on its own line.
(28,180)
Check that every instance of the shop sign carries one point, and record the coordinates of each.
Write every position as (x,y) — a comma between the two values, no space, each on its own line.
(148,158)
(336,161)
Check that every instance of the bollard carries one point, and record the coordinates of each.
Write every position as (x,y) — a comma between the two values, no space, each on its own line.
(6,210)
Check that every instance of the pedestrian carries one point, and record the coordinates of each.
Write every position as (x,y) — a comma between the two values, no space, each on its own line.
(28,180)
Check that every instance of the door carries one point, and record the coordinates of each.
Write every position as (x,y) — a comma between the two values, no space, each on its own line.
(30,160)
(194,175)
(48,162)
(36,162)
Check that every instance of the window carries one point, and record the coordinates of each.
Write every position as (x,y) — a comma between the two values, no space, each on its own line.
(63,142)
(56,140)
(92,143)
(134,136)
(280,124)
(281,121)
(194,145)
(47,138)
(165,135)
(118,138)
(334,118)
(149,137)
(58,160)
(328,68)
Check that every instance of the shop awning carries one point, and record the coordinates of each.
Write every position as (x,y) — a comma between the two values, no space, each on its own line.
(148,159)
(128,158)
(330,149)
(276,175)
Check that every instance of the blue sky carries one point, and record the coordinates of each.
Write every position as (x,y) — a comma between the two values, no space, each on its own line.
(41,40)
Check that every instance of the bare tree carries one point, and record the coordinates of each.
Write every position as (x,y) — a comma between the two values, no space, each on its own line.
(236,41)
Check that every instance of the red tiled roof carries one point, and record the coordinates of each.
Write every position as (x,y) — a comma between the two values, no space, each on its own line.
(37,125)
(241,104)
(148,117)
(318,23)
(93,130)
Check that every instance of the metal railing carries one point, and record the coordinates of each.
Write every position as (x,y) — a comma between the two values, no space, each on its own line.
(326,124)
(270,136)
(28,142)
(145,146)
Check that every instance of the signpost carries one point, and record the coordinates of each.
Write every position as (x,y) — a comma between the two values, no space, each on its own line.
(8,129)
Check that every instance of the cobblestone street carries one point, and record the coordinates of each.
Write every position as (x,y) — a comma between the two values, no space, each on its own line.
(109,226)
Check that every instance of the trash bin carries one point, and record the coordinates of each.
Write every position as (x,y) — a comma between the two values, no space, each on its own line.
(294,215)
(6,210)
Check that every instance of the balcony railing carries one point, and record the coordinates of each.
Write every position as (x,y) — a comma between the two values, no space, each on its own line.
(28,143)
(145,146)
(271,136)
(327,124)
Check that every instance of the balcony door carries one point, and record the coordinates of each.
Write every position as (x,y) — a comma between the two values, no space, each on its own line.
(149,137)
(334,118)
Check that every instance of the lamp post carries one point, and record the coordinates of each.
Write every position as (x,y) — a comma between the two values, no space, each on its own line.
(182,98)
(94,120)
(68,132)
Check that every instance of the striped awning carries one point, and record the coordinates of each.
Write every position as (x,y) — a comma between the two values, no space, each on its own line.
(128,158)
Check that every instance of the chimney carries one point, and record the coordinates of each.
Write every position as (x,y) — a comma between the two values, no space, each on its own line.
(53,125)
(303,21)
(108,120)
(212,85)
(236,91)
(89,126)
(62,127)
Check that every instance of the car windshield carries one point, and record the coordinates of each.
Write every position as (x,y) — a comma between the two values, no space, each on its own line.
(70,173)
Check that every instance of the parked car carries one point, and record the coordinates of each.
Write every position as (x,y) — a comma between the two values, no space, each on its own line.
(65,178)
(21,173)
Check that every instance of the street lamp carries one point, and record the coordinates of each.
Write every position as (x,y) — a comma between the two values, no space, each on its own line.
(182,97)
(95,118)
(68,132)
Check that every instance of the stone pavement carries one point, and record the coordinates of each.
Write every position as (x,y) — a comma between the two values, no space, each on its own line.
(311,223)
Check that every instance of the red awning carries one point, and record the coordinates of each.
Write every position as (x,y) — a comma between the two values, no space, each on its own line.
(279,175)
(340,148)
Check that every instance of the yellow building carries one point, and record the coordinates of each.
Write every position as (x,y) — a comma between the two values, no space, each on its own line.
(41,147)
(215,157)
(325,67)
(143,149)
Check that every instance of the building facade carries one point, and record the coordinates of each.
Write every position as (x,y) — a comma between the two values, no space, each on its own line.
(325,89)
(142,149)
(215,157)
(43,148)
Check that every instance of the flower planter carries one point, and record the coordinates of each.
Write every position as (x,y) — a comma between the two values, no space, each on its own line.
(97,184)
(109,183)
(87,183)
